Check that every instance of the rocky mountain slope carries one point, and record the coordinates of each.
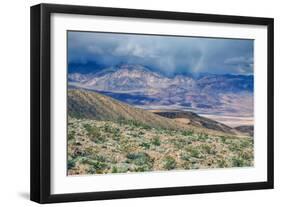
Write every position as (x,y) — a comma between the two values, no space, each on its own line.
(196,120)
(139,86)
(92,105)
(246,129)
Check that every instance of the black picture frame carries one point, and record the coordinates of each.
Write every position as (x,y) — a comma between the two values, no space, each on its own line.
(41,99)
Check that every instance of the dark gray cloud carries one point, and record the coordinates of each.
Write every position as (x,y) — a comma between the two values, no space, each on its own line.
(168,54)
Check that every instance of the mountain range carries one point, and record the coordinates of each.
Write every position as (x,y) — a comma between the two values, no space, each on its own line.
(142,87)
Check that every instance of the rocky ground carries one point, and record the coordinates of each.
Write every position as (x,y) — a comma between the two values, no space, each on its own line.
(100,147)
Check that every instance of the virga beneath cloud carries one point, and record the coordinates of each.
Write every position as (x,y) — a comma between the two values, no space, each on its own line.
(167,54)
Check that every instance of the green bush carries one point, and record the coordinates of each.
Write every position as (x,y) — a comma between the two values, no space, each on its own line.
(179,143)
(238,162)
(187,133)
(141,133)
(245,143)
(185,156)
(122,168)
(139,158)
(193,152)
(71,163)
(208,149)
(234,147)
(169,163)
(187,165)
(202,137)
(223,139)
(71,135)
(134,123)
(142,168)
(156,141)
(142,161)
(222,163)
(94,133)
(246,155)
(114,169)
(92,130)
(99,158)
(145,145)
(95,166)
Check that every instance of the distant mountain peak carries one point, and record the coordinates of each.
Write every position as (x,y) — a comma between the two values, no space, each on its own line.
(139,85)
(135,70)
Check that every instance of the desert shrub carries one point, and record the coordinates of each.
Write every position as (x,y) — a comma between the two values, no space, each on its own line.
(107,128)
(142,161)
(139,158)
(134,123)
(92,130)
(187,133)
(222,163)
(245,143)
(187,165)
(227,140)
(202,137)
(238,162)
(145,145)
(71,135)
(169,163)
(112,130)
(147,127)
(179,143)
(126,144)
(156,141)
(193,152)
(141,133)
(223,139)
(95,166)
(122,167)
(94,133)
(71,163)
(234,147)
(208,149)
(116,131)
(77,151)
(98,168)
(114,169)
(170,132)
(134,134)
(88,151)
(185,156)
(142,168)
(195,166)
(99,158)
(116,134)
(98,140)
(247,155)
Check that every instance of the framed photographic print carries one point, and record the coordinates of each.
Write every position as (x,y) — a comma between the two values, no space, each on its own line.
(133,103)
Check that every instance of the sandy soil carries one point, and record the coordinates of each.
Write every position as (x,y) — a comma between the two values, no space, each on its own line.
(231,121)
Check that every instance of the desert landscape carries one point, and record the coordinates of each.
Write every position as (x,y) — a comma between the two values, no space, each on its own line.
(136,140)
(128,117)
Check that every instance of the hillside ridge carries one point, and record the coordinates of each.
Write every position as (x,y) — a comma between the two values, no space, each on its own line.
(92,105)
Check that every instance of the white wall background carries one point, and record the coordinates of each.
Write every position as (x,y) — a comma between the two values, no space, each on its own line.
(14,102)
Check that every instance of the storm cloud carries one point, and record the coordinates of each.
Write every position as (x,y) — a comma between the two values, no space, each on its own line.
(166,54)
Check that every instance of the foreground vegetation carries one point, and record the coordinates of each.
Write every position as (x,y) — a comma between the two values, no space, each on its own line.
(98,147)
